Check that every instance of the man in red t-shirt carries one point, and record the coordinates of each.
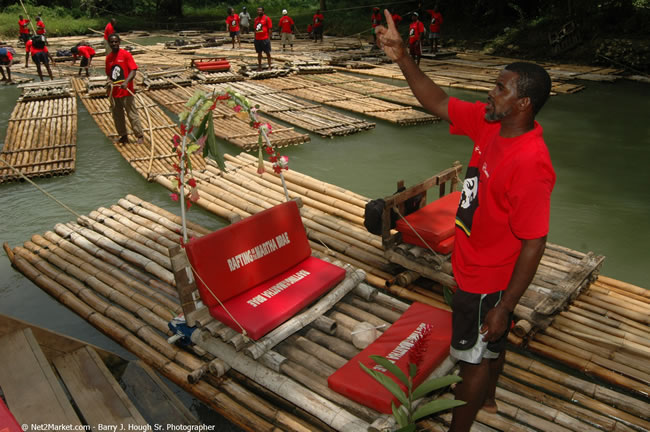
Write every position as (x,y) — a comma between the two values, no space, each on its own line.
(286,29)
(41,55)
(87,53)
(121,70)
(502,219)
(317,26)
(232,24)
(263,27)
(416,29)
(40,26)
(5,60)
(23,29)
(109,30)
(434,28)
(375,20)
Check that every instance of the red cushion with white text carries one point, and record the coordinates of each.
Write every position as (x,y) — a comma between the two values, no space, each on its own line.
(242,255)
(397,345)
(269,304)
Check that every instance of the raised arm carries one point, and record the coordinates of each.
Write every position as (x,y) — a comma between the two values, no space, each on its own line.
(431,96)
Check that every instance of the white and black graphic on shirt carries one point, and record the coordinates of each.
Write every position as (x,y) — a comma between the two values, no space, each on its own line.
(117,73)
(468,200)
(258,27)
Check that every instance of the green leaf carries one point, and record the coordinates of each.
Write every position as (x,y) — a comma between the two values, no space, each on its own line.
(435,384)
(407,428)
(211,146)
(192,148)
(388,384)
(413,370)
(400,415)
(448,295)
(383,361)
(435,406)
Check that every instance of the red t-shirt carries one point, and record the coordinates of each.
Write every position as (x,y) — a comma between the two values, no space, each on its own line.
(24,28)
(318,20)
(286,23)
(108,30)
(40,27)
(263,26)
(232,22)
(396,18)
(436,21)
(35,50)
(85,51)
(415,30)
(118,67)
(375,19)
(506,197)
(8,58)
(28,46)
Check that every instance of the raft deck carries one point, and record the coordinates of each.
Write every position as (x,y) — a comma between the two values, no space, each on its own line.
(41,138)
(133,235)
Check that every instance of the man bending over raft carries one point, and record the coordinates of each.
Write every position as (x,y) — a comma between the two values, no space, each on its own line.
(121,70)
(503,216)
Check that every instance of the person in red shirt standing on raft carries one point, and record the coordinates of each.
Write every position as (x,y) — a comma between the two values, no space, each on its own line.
(23,29)
(375,20)
(286,29)
(434,28)
(121,70)
(317,26)
(503,216)
(263,27)
(232,24)
(416,30)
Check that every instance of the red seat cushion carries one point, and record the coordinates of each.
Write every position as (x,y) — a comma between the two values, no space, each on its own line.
(8,422)
(267,305)
(396,344)
(435,223)
(243,255)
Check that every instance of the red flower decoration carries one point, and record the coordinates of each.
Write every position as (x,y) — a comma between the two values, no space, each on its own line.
(192,182)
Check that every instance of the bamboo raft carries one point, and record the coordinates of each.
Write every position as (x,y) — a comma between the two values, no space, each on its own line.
(351,101)
(153,157)
(128,298)
(227,124)
(41,139)
(314,118)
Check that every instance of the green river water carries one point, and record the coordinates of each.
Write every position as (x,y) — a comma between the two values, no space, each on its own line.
(599,140)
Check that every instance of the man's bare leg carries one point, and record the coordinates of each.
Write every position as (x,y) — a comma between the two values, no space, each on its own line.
(472,390)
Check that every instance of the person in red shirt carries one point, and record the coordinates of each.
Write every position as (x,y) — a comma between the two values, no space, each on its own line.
(397,18)
(40,54)
(40,26)
(87,53)
(317,26)
(23,29)
(375,20)
(263,27)
(503,215)
(286,29)
(109,30)
(232,24)
(434,28)
(416,29)
(5,60)
(121,70)
(28,51)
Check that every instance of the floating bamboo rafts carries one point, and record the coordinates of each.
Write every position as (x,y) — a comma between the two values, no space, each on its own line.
(228,125)
(111,268)
(155,155)
(350,100)
(41,139)
(314,118)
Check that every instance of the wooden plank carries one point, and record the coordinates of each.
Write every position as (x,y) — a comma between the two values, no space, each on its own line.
(33,393)
(157,403)
(98,396)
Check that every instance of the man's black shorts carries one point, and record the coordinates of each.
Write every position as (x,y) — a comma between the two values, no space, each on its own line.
(263,45)
(85,61)
(41,57)
(469,311)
